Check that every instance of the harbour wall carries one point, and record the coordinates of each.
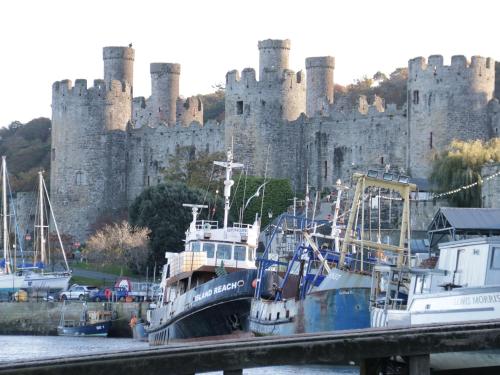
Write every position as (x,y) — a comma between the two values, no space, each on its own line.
(42,318)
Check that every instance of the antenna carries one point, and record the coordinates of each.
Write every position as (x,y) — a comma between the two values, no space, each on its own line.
(228,182)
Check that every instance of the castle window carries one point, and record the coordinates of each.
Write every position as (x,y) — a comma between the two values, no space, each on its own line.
(263,102)
(53,154)
(415,97)
(382,160)
(239,107)
(79,178)
(430,140)
(148,180)
(326,169)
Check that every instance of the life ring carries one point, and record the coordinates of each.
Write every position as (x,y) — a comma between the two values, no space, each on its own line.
(107,293)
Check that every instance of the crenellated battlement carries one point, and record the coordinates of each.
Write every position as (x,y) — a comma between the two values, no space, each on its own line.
(165,68)
(65,88)
(478,66)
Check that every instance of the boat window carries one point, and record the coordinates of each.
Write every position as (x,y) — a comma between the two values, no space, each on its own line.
(239,252)
(250,254)
(209,249)
(223,251)
(195,246)
(495,258)
(422,284)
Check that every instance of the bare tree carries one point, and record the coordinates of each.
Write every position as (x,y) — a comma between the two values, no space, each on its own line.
(120,244)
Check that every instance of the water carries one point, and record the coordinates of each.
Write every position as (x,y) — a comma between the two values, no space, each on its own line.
(22,348)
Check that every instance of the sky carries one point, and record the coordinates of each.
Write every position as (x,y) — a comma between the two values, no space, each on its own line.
(51,40)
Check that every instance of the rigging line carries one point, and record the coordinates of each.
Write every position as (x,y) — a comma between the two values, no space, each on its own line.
(236,190)
(265,180)
(13,207)
(208,187)
(244,196)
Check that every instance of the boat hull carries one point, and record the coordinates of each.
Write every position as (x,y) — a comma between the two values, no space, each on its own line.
(327,310)
(94,329)
(11,283)
(339,302)
(218,307)
(47,281)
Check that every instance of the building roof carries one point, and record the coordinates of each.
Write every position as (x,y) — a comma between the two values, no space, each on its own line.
(472,218)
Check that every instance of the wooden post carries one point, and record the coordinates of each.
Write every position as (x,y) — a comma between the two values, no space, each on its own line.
(419,365)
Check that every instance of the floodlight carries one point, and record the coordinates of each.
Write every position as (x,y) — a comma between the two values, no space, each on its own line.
(403,179)
(388,176)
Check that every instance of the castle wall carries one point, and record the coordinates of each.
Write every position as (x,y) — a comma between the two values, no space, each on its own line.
(446,103)
(150,148)
(88,155)
(351,141)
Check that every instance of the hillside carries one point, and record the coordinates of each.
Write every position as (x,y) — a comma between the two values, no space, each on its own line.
(27,148)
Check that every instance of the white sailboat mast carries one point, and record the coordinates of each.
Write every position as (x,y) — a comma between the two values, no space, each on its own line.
(229,165)
(4,204)
(40,224)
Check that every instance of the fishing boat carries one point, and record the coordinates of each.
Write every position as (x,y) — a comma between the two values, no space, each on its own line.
(324,284)
(207,288)
(90,323)
(36,277)
(10,280)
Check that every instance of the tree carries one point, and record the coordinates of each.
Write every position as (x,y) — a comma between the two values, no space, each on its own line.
(214,104)
(195,171)
(120,243)
(460,165)
(160,209)
(277,197)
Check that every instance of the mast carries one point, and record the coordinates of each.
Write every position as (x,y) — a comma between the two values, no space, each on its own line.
(229,165)
(4,208)
(42,234)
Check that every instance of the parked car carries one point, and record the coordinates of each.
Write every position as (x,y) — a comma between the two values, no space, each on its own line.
(110,294)
(81,292)
(139,291)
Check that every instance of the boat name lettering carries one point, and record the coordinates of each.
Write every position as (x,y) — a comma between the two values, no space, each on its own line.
(219,289)
(475,300)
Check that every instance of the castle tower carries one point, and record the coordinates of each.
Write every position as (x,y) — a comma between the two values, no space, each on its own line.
(88,158)
(273,58)
(446,103)
(118,64)
(165,90)
(319,91)
(256,110)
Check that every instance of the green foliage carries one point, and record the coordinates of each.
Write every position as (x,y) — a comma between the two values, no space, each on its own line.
(27,148)
(195,172)
(214,105)
(392,89)
(277,197)
(159,208)
(460,165)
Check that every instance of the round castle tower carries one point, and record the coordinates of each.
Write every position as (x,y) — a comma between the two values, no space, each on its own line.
(118,64)
(319,94)
(88,150)
(273,58)
(446,103)
(165,90)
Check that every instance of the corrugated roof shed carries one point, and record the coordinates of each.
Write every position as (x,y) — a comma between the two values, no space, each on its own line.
(472,218)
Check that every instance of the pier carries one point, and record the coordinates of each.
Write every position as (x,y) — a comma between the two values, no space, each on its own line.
(368,348)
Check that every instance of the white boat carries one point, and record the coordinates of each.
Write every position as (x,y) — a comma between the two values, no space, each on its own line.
(37,278)
(464,287)
(10,281)
(208,287)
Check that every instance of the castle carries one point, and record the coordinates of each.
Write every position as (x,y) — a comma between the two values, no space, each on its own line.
(108,146)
